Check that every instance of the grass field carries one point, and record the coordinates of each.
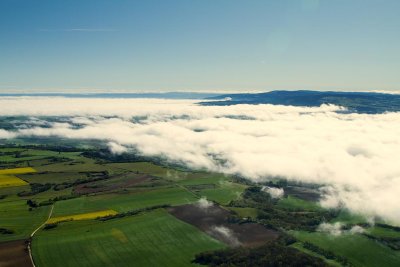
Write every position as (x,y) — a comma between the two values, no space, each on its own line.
(25,155)
(124,202)
(224,193)
(349,218)
(150,239)
(152,169)
(209,178)
(296,204)
(245,212)
(358,249)
(53,177)
(81,164)
(83,216)
(383,232)
(299,246)
(14,215)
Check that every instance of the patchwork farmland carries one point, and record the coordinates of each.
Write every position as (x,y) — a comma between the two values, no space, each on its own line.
(105,212)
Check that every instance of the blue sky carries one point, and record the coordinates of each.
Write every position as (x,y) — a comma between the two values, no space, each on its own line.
(199,45)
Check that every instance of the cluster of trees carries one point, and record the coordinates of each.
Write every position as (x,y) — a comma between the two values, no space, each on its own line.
(49,226)
(105,155)
(391,242)
(5,231)
(327,254)
(92,177)
(272,216)
(36,188)
(391,227)
(132,212)
(33,204)
(274,254)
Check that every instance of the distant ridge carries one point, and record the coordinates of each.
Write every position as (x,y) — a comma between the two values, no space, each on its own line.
(357,102)
(167,95)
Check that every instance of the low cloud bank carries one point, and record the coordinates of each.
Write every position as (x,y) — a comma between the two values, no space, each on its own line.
(274,192)
(225,234)
(355,156)
(203,203)
(338,228)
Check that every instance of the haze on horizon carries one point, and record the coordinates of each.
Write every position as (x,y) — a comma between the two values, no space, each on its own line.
(137,46)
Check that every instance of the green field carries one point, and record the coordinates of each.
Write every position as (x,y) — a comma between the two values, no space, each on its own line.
(209,179)
(150,239)
(150,168)
(292,203)
(224,193)
(299,246)
(14,215)
(358,249)
(25,155)
(124,202)
(245,212)
(383,232)
(83,189)
(81,164)
(350,218)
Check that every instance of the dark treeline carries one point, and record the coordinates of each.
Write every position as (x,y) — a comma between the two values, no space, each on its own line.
(276,217)
(36,188)
(273,254)
(133,212)
(327,254)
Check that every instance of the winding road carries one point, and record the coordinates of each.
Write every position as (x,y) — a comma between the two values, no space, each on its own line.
(34,232)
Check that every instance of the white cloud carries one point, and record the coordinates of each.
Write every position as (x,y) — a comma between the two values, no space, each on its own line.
(6,134)
(116,148)
(338,228)
(204,203)
(334,229)
(273,191)
(355,156)
(225,234)
(356,229)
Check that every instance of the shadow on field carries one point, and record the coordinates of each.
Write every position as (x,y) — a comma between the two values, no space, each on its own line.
(214,220)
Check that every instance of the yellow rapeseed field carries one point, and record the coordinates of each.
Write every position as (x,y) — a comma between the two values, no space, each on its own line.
(17,171)
(11,180)
(83,216)
(7,178)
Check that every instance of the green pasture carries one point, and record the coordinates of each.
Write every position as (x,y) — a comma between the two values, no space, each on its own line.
(245,212)
(358,249)
(292,203)
(151,239)
(81,164)
(160,171)
(14,215)
(383,232)
(53,177)
(24,155)
(299,246)
(224,192)
(347,217)
(124,202)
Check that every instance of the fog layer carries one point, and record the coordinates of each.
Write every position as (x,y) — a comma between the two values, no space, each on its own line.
(355,156)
